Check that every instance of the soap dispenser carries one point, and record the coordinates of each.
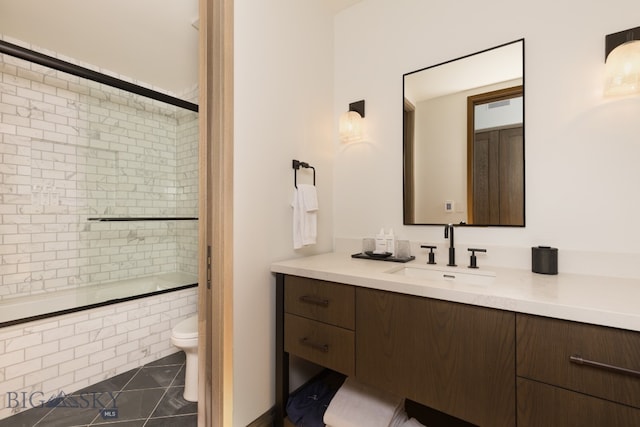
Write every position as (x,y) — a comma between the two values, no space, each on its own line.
(381,242)
(391,242)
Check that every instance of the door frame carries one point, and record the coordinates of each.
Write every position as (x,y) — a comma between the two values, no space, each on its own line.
(215,247)
(409,124)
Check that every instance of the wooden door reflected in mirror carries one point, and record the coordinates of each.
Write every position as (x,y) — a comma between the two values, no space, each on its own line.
(495,158)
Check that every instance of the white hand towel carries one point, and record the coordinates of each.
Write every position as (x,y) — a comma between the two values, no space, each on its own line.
(305,208)
(412,422)
(401,419)
(357,405)
(310,197)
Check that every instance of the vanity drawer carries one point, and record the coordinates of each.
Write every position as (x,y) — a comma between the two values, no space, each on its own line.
(319,300)
(546,405)
(546,346)
(325,345)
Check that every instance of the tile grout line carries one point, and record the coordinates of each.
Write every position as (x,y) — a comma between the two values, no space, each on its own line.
(122,389)
(166,390)
(40,419)
(119,391)
(71,395)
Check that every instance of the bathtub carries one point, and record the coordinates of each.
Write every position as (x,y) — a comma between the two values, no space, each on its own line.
(48,304)
(72,347)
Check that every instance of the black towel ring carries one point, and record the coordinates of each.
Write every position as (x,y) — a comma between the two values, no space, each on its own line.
(297,164)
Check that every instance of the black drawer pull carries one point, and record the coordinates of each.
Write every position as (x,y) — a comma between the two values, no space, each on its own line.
(320,347)
(580,361)
(310,299)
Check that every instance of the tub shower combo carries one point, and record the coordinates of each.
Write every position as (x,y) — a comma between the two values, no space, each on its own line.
(98,193)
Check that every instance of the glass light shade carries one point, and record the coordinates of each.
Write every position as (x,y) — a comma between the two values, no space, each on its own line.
(623,70)
(351,127)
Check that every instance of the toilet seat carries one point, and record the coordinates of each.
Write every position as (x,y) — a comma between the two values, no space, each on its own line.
(185,336)
(186,329)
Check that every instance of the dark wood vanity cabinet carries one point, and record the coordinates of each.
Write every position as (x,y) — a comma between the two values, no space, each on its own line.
(544,405)
(466,361)
(455,358)
(315,321)
(319,322)
(576,374)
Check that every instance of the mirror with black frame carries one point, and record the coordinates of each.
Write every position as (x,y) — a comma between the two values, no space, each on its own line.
(463,139)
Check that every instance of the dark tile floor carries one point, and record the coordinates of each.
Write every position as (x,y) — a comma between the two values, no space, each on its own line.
(150,396)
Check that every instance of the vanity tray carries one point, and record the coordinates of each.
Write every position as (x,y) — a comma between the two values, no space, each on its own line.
(388,258)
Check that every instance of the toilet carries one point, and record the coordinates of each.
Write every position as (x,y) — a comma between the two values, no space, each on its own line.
(185,336)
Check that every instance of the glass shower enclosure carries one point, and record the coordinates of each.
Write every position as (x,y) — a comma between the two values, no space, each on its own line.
(98,187)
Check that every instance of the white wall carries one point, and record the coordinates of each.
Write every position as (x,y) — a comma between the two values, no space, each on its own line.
(581,149)
(283,111)
(442,119)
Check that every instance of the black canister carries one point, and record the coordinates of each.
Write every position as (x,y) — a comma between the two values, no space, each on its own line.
(544,260)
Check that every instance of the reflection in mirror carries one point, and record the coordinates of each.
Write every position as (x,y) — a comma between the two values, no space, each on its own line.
(464,140)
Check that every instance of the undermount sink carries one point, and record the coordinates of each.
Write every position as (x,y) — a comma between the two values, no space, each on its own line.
(457,275)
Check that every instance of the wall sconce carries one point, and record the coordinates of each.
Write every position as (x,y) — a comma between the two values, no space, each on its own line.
(352,123)
(622,59)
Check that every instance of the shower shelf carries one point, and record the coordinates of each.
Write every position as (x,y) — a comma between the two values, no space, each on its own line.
(174,218)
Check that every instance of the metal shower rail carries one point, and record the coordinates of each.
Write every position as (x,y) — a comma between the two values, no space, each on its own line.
(76,70)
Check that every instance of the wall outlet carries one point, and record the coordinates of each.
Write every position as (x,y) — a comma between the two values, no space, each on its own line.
(449,206)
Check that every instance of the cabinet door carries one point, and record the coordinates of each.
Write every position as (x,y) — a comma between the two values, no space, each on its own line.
(325,345)
(454,358)
(545,347)
(324,301)
(543,405)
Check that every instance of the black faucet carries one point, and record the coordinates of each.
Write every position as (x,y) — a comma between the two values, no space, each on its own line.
(448,234)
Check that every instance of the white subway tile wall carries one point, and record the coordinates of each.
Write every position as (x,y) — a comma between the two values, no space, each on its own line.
(73,351)
(187,192)
(71,149)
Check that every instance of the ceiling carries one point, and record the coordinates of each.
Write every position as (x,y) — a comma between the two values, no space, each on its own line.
(151,41)
(489,67)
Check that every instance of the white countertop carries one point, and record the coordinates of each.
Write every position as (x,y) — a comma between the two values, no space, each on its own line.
(598,300)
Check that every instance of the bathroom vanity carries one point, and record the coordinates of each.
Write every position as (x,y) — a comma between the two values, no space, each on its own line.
(520,349)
